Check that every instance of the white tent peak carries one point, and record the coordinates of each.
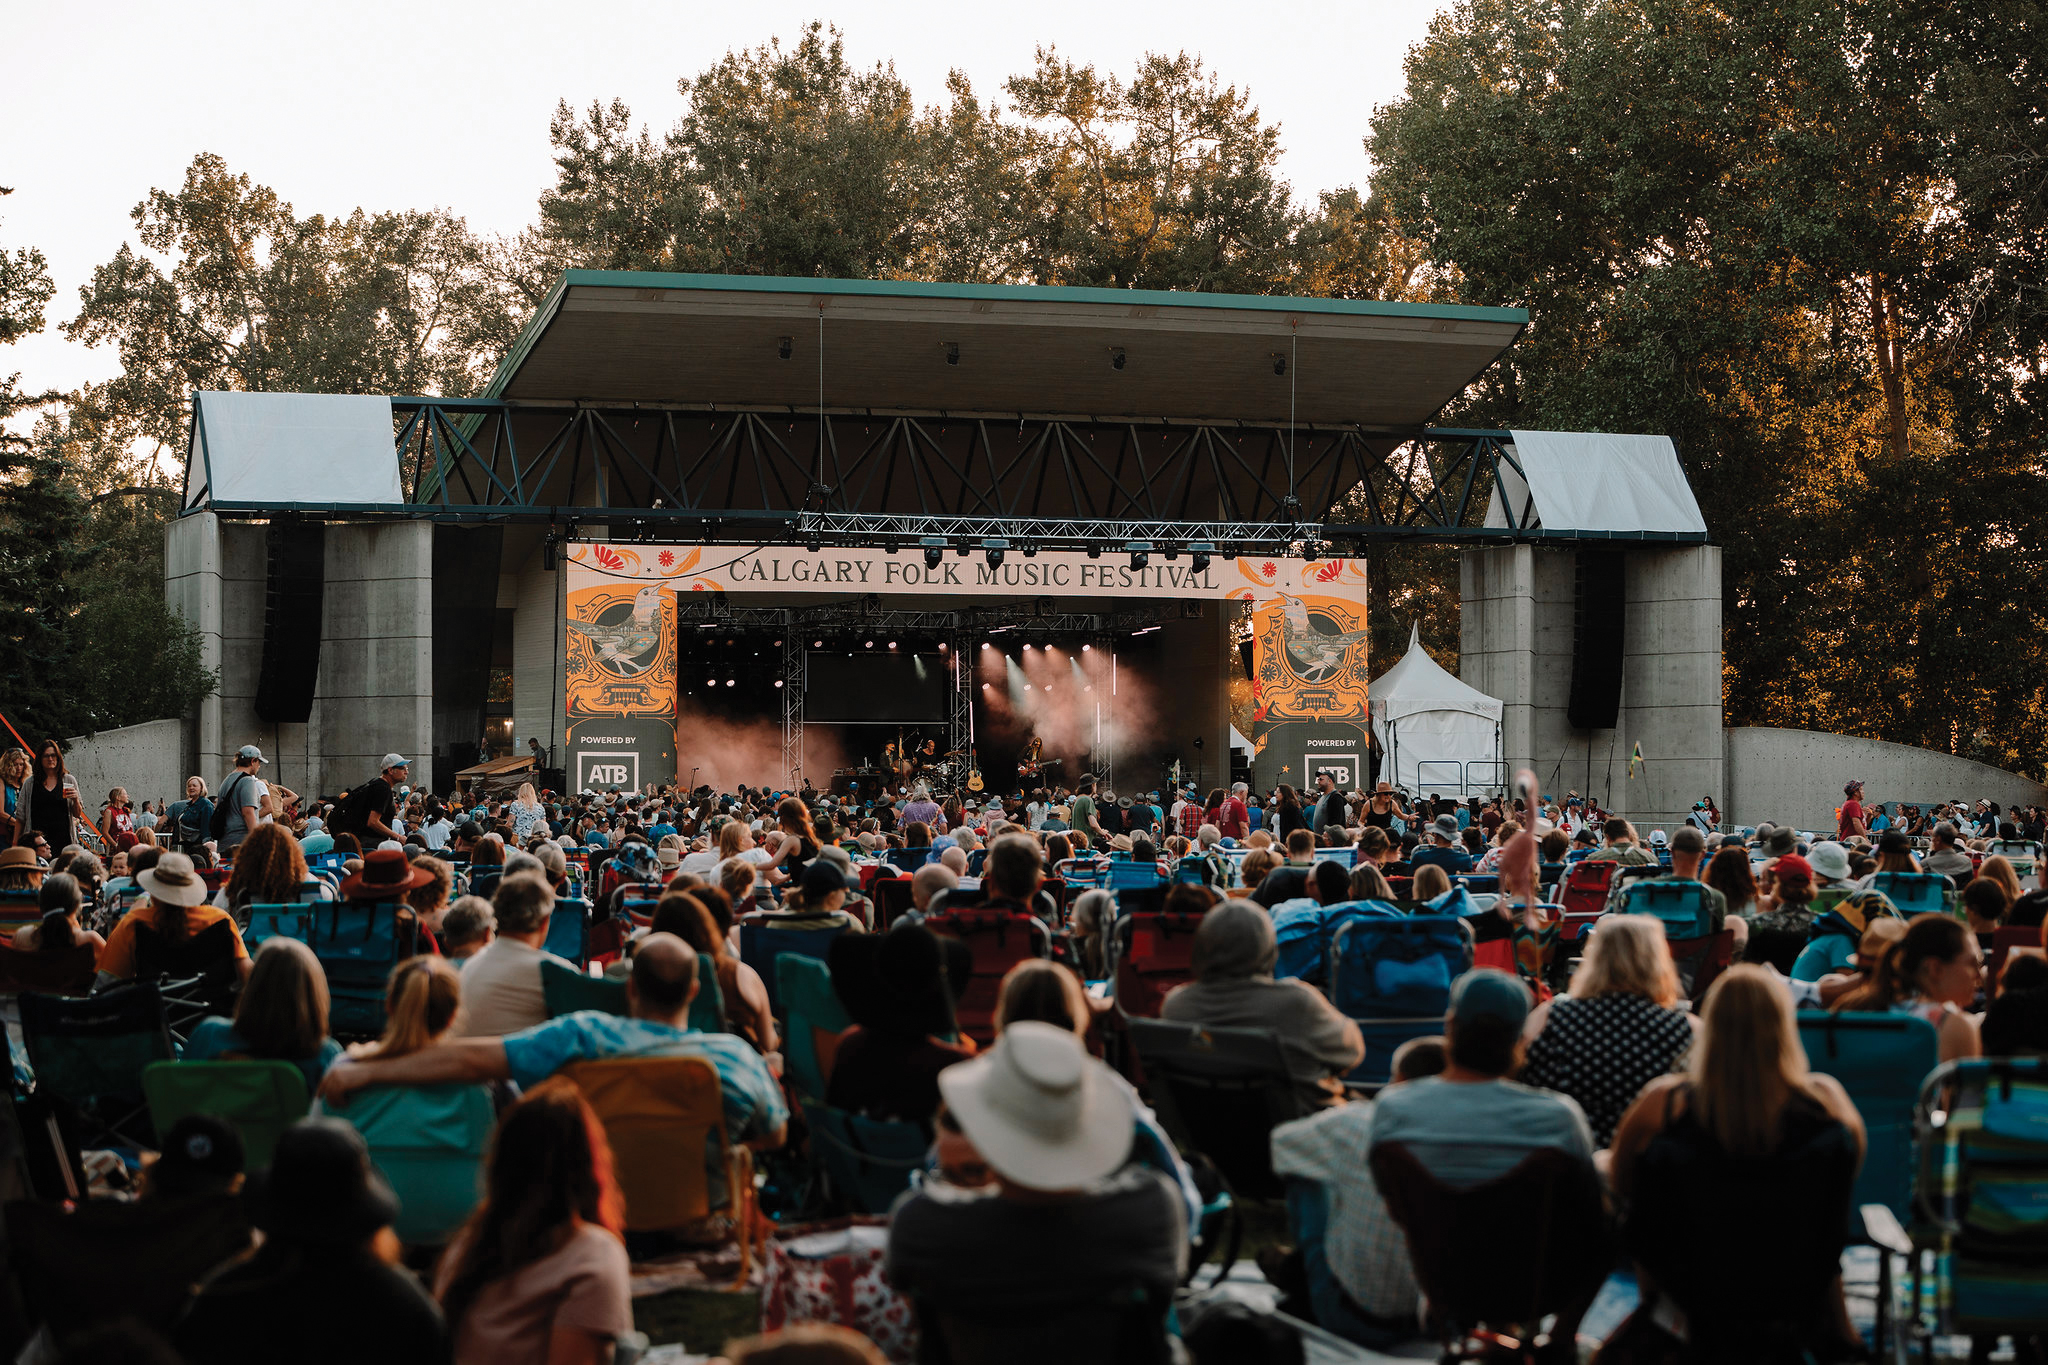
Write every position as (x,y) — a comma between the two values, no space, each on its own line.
(1438,734)
(1419,683)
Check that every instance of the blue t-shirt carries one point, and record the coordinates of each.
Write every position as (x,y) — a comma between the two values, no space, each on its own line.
(1469,1133)
(215,1038)
(1825,954)
(1451,860)
(753,1099)
(659,832)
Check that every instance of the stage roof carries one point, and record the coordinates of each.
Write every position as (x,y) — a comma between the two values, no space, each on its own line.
(624,337)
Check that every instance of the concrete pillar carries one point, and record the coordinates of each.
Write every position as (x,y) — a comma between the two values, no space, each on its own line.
(375,693)
(1516,641)
(192,588)
(536,600)
(245,572)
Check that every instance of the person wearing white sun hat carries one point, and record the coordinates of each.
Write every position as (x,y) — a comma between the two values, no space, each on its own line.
(1020,1269)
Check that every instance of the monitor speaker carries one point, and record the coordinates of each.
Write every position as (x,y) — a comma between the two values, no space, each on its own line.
(1599,604)
(293,588)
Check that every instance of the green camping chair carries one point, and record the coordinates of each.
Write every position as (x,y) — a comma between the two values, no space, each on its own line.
(816,1019)
(567,990)
(88,1053)
(429,1141)
(261,1099)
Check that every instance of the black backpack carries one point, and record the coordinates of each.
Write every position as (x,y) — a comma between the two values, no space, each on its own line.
(217,827)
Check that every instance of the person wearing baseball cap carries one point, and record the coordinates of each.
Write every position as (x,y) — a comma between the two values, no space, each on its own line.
(370,812)
(317,1280)
(1471,1124)
(244,793)
(1442,849)
(1070,1216)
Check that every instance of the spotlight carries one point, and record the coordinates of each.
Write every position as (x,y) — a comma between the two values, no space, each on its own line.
(711,682)
(934,551)
(1171,555)
(785,346)
(961,549)
(1027,649)
(942,646)
(994,551)
(984,687)
(817,644)
(1086,648)
(1095,552)
(1141,553)
(952,353)
(987,645)
(1311,551)
(1030,550)
(892,644)
(1198,556)
(778,682)
(547,552)
(732,682)
(1279,363)
(1116,357)
(811,544)
(871,644)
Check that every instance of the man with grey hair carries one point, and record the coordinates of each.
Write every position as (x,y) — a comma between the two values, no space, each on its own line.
(1234,821)
(928,881)
(1947,857)
(922,810)
(501,990)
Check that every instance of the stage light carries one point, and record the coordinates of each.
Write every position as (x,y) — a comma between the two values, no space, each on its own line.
(1279,363)
(933,556)
(1095,552)
(1198,556)
(547,552)
(732,682)
(942,646)
(1141,554)
(1089,688)
(993,549)
(817,644)
(952,353)
(961,549)
(711,682)
(1030,550)
(892,644)
(1116,357)
(1027,649)
(871,644)
(1086,648)
(1311,551)
(785,346)
(811,544)
(987,645)
(1171,555)
(778,682)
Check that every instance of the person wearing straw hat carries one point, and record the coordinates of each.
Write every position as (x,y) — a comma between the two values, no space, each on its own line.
(1012,1271)
(175,907)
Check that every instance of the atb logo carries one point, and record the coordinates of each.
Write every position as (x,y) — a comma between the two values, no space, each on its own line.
(607,771)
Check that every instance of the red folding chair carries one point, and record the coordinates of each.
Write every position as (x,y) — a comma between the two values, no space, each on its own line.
(998,939)
(1155,952)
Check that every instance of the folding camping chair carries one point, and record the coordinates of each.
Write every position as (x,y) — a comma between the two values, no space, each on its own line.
(566,990)
(429,1141)
(1392,977)
(569,931)
(868,1162)
(89,1054)
(66,1256)
(998,939)
(1914,893)
(766,935)
(1221,1092)
(814,1019)
(69,971)
(358,943)
(260,1098)
(1880,1059)
(653,1110)
(1151,954)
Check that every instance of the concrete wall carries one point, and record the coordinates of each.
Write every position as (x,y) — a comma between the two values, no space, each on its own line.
(150,760)
(1516,644)
(373,690)
(1797,776)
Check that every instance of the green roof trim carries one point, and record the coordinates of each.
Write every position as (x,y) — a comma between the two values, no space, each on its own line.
(530,334)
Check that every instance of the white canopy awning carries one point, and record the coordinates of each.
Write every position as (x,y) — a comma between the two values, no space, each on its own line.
(284,448)
(1420,683)
(1438,733)
(1591,481)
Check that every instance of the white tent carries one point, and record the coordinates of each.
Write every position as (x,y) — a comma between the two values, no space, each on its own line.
(1437,734)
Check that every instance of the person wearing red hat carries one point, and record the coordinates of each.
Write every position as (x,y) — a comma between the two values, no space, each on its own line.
(386,875)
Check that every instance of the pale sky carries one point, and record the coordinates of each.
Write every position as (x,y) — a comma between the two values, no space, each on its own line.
(381,105)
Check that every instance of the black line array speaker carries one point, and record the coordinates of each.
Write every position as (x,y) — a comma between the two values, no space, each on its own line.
(296,582)
(1247,654)
(1599,602)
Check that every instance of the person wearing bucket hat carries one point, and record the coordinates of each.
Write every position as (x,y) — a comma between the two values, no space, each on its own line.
(317,1282)
(898,989)
(1830,863)
(1442,850)
(1069,1221)
(387,874)
(174,908)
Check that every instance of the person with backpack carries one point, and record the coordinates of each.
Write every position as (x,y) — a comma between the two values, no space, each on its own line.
(369,810)
(187,821)
(242,800)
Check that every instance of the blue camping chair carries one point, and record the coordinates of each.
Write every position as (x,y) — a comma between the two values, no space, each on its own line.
(1392,976)
(358,943)
(907,859)
(766,935)
(1880,1059)
(975,859)
(569,931)
(1307,932)
(1681,907)
(1474,882)
(429,1141)
(1915,893)
(1129,876)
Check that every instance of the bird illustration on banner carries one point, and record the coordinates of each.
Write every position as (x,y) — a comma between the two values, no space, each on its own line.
(620,644)
(1315,655)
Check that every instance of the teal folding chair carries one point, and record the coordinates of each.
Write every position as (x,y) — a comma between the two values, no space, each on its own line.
(868,1161)
(566,990)
(429,1141)
(815,1021)
(1880,1059)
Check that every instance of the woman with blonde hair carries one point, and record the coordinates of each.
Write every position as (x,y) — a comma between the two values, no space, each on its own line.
(1999,868)
(1749,1110)
(526,812)
(420,1004)
(1368,883)
(1429,882)
(1622,1025)
(15,768)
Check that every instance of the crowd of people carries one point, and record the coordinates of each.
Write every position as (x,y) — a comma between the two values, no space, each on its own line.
(1053,1205)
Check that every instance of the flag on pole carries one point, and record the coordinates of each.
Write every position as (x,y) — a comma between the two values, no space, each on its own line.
(1635,758)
